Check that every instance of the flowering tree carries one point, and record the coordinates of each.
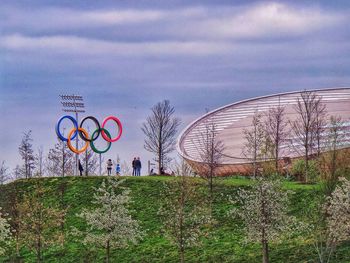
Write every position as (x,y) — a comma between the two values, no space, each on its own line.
(336,227)
(184,210)
(4,233)
(263,209)
(110,225)
(4,174)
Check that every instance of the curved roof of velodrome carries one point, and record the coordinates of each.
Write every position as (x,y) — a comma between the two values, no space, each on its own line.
(231,120)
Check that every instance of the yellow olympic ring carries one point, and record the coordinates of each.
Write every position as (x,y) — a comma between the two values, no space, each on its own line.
(70,144)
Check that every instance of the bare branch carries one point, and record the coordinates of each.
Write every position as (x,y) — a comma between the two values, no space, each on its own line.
(160,129)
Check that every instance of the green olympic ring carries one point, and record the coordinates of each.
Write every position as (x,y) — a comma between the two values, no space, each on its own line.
(92,142)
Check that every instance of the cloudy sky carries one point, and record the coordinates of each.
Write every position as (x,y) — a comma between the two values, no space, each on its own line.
(125,56)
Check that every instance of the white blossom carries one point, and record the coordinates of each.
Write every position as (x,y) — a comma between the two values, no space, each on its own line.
(5,233)
(338,212)
(110,224)
(264,211)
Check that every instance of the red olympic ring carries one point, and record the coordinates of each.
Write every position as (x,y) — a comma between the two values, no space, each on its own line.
(120,128)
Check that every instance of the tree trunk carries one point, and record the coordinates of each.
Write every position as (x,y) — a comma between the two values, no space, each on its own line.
(278,138)
(211,183)
(39,251)
(265,251)
(306,159)
(333,163)
(159,164)
(17,244)
(26,165)
(182,254)
(211,186)
(108,251)
(160,149)
(276,155)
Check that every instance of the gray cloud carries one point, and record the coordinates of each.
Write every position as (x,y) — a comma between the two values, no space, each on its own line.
(123,58)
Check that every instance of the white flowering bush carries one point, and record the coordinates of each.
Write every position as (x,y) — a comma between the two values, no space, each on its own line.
(331,224)
(110,224)
(338,212)
(5,234)
(264,211)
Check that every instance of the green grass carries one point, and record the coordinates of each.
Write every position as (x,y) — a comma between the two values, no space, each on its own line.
(225,244)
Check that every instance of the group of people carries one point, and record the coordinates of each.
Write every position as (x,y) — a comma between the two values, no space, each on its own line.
(109,168)
(136,166)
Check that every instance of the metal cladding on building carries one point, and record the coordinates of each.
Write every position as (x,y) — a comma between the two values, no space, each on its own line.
(231,120)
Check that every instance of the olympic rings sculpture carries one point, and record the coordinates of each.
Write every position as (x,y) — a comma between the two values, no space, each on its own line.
(83,134)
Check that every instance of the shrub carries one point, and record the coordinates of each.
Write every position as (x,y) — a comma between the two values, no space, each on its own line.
(298,170)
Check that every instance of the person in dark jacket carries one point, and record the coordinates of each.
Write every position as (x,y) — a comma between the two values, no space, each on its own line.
(138,166)
(134,167)
(81,169)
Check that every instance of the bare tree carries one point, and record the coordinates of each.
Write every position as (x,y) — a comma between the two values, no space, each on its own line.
(184,210)
(307,126)
(27,153)
(125,168)
(17,173)
(4,174)
(254,141)
(60,160)
(38,224)
(275,126)
(335,140)
(319,129)
(91,162)
(210,150)
(39,161)
(160,129)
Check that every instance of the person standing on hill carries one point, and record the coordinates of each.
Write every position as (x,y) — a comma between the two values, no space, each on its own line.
(117,169)
(109,166)
(134,167)
(138,166)
(81,169)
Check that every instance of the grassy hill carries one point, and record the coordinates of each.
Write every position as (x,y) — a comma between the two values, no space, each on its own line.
(224,245)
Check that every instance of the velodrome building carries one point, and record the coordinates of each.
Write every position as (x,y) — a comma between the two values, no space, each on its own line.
(231,120)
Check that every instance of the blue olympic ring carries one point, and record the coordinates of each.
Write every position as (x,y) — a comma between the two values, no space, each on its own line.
(58,128)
